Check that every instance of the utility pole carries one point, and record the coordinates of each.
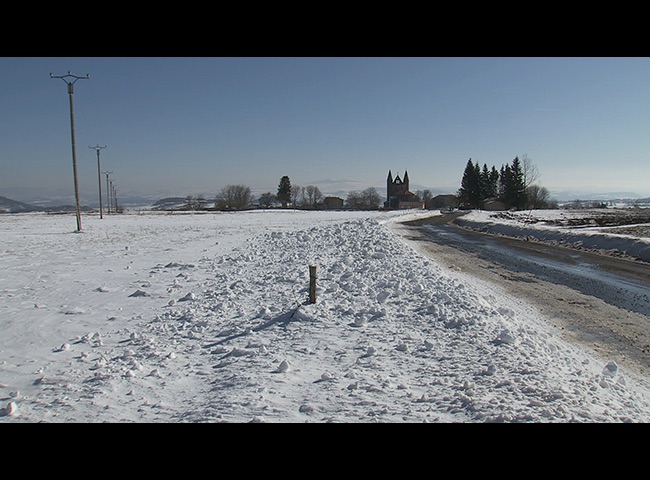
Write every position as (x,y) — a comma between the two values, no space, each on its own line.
(108,193)
(74,153)
(111,190)
(115,198)
(99,179)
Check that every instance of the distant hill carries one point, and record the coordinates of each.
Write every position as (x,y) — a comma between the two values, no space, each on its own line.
(169,203)
(569,195)
(7,205)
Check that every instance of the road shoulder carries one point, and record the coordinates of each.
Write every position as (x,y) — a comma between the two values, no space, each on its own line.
(610,332)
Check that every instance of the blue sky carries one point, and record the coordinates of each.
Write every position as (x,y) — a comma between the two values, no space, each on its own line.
(192,125)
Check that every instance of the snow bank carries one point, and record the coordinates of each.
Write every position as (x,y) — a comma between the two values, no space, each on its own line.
(204,318)
(590,238)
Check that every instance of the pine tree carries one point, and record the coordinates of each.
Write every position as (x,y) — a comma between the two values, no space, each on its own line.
(494,182)
(518,184)
(284,191)
(477,194)
(505,184)
(469,192)
(484,185)
(512,188)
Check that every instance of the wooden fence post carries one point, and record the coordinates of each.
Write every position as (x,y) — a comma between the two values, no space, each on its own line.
(312,284)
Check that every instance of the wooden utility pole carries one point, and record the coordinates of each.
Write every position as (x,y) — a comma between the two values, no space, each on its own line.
(108,193)
(99,179)
(74,152)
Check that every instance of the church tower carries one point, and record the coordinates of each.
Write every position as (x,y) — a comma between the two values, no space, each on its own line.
(389,184)
(398,194)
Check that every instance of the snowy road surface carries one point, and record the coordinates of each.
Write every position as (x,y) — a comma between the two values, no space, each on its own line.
(602,301)
(617,281)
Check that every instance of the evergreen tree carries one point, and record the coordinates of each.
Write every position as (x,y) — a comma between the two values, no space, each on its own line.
(477,198)
(469,192)
(518,184)
(494,182)
(284,191)
(510,185)
(484,185)
(505,184)
(512,188)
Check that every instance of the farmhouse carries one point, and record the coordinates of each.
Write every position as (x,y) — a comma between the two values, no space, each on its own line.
(442,201)
(332,203)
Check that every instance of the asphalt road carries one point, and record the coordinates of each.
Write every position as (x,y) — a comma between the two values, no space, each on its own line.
(600,301)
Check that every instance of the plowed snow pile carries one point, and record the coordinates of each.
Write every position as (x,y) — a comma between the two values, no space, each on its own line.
(204,318)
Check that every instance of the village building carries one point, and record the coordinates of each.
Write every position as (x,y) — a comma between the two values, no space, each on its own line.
(333,203)
(446,202)
(494,204)
(398,195)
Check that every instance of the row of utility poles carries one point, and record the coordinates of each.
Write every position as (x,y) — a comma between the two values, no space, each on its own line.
(111,195)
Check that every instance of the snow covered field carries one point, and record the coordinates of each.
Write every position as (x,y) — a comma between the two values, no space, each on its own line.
(148,317)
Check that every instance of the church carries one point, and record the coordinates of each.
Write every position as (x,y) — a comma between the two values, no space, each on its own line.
(398,194)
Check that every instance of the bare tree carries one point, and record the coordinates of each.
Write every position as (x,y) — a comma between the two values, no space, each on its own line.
(354,201)
(425,195)
(267,199)
(197,203)
(311,196)
(233,196)
(537,196)
(366,200)
(296,194)
(530,171)
(371,197)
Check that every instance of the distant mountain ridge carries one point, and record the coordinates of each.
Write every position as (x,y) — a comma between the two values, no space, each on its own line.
(568,195)
(7,205)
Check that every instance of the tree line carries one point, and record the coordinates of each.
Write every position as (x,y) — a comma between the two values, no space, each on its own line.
(311,197)
(513,185)
(240,197)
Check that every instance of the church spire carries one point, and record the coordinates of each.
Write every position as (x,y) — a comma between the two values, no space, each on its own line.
(389,184)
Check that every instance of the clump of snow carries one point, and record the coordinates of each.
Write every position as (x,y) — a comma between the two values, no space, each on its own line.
(206,318)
